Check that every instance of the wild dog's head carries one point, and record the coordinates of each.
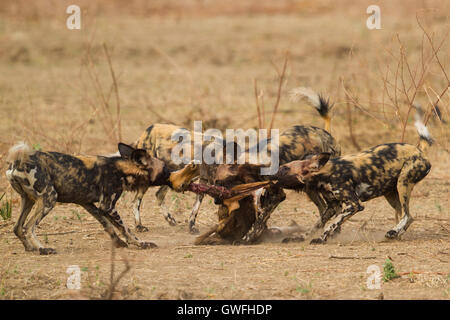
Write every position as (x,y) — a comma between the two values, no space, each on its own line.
(137,164)
(302,170)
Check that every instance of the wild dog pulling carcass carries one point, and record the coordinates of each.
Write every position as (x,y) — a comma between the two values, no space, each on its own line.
(296,143)
(158,141)
(390,170)
(53,177)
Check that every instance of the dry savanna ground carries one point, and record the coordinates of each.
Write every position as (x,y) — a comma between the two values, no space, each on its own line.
(198,60)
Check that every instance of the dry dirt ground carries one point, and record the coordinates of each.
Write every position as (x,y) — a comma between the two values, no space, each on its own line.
(199,62)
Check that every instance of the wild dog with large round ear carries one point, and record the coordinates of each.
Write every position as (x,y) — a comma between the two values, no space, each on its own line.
(390,170)
(93,182)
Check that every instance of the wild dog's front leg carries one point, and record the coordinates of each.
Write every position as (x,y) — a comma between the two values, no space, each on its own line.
(114,217)
(108,208)
(193,217)
(327,209)
(97,214)
(269,202)
(161,195)
(350,207)
(137,209)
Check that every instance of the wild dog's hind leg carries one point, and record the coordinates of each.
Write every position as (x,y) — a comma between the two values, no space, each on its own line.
(26,205)
(394,201)
(49,197)
(107,225)
(412,172)
(351,206)
(137,209)
(161,195)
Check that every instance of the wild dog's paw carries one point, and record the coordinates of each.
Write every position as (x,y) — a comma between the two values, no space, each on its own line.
(391,234)
(46,251)
(141,228)
(293,239)
(171,220)
(193,229)
(316,241)
(147,245)
(236,242)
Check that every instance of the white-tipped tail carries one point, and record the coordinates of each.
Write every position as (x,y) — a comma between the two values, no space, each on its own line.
(302,93)
(19,152)
(425,137)
(314,99)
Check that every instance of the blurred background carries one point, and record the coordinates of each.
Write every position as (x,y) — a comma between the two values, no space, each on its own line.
(134,63)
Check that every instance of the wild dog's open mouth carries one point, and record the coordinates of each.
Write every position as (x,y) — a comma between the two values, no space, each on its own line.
(218,192)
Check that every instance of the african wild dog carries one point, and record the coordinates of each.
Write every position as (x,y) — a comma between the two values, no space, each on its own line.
(84,180)
(390,170)
(297,143)
(157,141)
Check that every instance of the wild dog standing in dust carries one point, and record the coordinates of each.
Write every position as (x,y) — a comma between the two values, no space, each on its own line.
(55,177)
(157,141)
(390,170)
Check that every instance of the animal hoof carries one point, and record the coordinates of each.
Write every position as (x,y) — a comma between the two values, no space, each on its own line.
(293,239)
(316,241)
(141,228)
(147,245)
(391,234)
(193,230)
(46,251)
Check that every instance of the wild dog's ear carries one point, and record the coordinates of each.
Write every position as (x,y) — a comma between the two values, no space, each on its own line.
(323,158)
(125,150)
(140,156)
(318,161)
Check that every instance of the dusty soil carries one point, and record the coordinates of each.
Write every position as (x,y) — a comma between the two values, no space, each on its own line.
(179,66)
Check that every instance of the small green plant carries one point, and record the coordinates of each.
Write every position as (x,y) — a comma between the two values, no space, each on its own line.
(389,271)
(188,256)
(304,290)
(5,208)
(37,147)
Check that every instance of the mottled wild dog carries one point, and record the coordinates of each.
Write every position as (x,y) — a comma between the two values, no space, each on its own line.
(84,180)
(297,143)
(157,141)
(390,170)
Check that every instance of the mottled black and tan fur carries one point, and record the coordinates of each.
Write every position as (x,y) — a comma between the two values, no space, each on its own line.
(297,143)
(157,141)
(93,182)
(390,170)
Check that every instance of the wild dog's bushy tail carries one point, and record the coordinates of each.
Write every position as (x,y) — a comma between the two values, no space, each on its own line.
(425,137)
(314,99)
(19,152)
